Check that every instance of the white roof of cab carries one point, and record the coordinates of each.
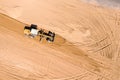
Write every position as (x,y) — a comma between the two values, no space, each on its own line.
(34,31)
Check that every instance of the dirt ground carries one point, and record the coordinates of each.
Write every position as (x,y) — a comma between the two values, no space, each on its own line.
(86,47)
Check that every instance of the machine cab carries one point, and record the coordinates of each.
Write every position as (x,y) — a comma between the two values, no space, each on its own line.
(31,31)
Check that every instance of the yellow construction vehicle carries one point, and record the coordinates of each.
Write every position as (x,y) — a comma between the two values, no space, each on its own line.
(32,31)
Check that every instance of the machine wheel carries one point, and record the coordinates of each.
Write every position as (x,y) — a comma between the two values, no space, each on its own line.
(49,40)
(33,26)
(26,27)
(51,34)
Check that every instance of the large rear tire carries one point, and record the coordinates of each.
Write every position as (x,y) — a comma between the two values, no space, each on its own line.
(33,26)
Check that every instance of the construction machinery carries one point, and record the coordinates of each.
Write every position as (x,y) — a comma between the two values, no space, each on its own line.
(32,31)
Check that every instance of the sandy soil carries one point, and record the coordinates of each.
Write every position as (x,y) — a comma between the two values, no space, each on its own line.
(86,46)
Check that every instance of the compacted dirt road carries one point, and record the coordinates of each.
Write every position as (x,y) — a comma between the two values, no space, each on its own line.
(87,49)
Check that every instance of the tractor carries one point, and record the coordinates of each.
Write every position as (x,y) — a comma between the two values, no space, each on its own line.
(32,31)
